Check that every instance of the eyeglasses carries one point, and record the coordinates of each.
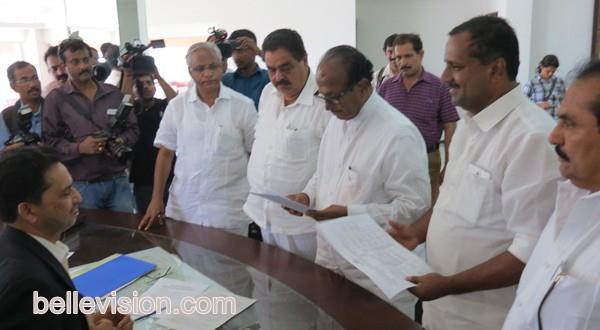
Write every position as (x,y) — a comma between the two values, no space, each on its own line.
(202,68)
(335,99)
(24,80)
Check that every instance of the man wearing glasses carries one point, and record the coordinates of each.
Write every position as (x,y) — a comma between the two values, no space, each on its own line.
(372,160)
(288,134)
(25,116)
(211,128)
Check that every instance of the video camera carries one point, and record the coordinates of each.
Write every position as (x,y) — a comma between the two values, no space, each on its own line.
(117,121)
(134,57)
(226,46)
(24,135)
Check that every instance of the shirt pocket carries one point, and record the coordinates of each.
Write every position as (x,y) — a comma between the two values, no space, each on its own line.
(295,144)
(352,185)
(473,194)
(227,140)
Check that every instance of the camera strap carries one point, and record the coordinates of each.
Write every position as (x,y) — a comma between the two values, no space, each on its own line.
(79,109)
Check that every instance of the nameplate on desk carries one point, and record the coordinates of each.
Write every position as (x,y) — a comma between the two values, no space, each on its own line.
(111,276)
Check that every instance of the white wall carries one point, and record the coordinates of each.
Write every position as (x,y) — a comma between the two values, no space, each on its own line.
(542,26)
(563,28)
(431,19)
(322,24)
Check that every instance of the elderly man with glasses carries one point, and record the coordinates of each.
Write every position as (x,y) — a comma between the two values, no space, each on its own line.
(211,128)
(372,160)
(21,123)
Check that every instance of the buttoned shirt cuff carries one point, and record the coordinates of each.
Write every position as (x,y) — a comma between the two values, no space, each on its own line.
(75,149)
(522,247)
(356,209)
(311,202)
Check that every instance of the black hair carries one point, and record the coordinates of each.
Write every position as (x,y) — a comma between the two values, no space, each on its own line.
(23,178)
(10,71)
(51,51)
(411,38)
(491,38)
(73,45)
(389,41)
(357,65)
(591,69)
(287,39)
(243,33)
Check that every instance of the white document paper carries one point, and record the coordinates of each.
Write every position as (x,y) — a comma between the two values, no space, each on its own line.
(207,321)
(361,241)
(174,290)
(282,200)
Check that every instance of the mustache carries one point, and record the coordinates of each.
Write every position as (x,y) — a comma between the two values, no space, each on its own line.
(33,89)
(561,153)
(404,67)
(282,82)
(62,77)
(85,71)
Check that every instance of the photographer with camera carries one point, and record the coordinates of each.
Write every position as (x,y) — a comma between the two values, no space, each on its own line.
(149,112)
(248,79)
(21,124)
(92,125)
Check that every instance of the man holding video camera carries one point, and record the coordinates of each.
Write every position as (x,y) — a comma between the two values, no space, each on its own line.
(21,123)
(93,126)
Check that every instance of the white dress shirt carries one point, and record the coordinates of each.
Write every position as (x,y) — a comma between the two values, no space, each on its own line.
(564,266)
(212,146)
(374,163)
(498,193)
(59,250)
(284,156)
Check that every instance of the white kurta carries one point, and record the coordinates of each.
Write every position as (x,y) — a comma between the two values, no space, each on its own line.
(567,253)
(284,156)
(375,163)
(498,193)
(212,146)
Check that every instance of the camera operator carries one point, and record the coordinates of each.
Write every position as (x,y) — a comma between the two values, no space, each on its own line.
(84,122)
(249,79)
(149,112)
(21,123)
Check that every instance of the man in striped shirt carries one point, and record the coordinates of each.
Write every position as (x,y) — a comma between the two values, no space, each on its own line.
(424,99)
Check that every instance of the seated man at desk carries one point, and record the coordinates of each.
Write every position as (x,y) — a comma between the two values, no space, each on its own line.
(32,258)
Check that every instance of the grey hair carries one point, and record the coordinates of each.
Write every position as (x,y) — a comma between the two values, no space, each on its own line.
(210,46)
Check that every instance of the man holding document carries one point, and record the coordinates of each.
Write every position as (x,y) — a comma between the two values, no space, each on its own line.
(372,159)
(498,191)
(38,203)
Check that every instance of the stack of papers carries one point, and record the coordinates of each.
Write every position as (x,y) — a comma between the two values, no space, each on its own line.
(363,243)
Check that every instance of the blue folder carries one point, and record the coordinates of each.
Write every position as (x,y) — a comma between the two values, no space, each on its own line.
(111,276)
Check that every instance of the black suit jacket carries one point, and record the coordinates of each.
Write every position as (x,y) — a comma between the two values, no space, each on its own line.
(27,266)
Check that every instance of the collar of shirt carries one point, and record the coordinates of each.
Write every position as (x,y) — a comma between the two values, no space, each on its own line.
(192,95)
(425,76)
(539,78)
(567,195)
(306,97)
(352,125)
(59,250)
(237,73)
(498,110)
(70,89)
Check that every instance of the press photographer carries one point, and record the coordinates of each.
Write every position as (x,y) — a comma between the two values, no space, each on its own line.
(21,124)
(73,116)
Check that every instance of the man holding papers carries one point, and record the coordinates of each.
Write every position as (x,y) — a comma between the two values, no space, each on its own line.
(498,191)
(291,121)
(38,202)
(372,159)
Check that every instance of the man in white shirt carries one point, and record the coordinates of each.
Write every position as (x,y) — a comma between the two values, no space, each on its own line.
(288,134)
(499,187)
(211,128)
(560,286)
(38,203)
(391,69)
(372,158)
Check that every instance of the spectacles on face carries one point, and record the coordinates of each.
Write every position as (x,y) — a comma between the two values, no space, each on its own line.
(210,67)
(24,80)
(335,99)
